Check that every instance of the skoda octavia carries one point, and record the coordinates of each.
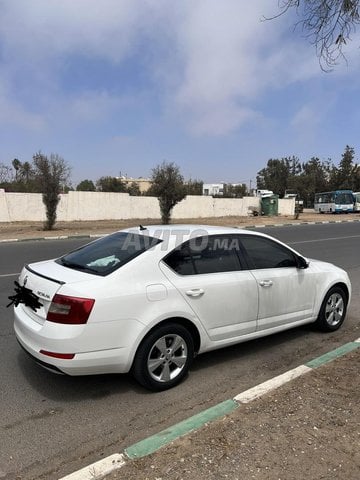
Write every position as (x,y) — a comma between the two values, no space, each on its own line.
(147,300)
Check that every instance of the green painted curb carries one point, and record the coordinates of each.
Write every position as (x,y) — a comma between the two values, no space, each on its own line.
(151,444)
(328,357)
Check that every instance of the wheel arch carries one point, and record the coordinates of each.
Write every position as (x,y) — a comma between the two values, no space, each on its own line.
(343,287)
(190,326)
(140,368)
(321,322)
(324,292)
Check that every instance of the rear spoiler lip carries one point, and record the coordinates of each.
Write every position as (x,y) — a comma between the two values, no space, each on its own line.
(44,276)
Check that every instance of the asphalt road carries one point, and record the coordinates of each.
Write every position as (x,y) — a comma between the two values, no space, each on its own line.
(52,425)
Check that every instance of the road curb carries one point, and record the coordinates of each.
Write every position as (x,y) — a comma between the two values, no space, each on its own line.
(100,469)
(59,237)
(301,223)
(99,235)
(153,443)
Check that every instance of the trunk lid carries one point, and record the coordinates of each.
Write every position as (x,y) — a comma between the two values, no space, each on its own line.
(43,280)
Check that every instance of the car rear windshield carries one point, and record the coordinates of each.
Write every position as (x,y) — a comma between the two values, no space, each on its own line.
(107,254)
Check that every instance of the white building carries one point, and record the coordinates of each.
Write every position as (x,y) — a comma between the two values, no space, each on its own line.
(213,189)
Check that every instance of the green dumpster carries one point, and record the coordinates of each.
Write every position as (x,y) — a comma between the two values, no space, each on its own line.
(270,205)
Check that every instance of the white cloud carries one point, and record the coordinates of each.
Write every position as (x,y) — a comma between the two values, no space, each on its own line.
(308,121)
(306,117)
(46,29)
(94,106)
(220,118)
(230,58)
(212,59)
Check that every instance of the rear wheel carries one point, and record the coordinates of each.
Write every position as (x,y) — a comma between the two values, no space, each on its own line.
(333,310)
(164,357)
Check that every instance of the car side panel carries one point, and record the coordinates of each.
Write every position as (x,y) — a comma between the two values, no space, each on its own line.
(286,295)
(227,303)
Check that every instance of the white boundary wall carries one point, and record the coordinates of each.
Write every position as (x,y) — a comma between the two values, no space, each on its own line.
(286,206)
(16,207)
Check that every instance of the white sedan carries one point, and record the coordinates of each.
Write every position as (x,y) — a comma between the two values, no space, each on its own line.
(147,300)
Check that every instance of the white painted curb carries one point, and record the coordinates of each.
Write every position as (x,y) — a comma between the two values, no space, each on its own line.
(272,384)
(98,469)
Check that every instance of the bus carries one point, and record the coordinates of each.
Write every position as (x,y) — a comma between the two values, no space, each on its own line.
(356,201)
(337,201)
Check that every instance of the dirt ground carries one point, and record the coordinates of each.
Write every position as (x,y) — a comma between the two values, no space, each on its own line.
(307,429)
(13,230)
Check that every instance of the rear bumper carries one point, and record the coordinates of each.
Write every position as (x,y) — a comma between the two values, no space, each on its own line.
(104,347)
(48,366)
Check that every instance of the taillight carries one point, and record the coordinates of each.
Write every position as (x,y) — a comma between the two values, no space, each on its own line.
(70,310)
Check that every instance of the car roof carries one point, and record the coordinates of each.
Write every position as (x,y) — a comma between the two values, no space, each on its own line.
(174,235)
(184,229)
(179,233)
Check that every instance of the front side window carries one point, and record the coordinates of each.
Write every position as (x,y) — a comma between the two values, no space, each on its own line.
(264,253)
(208,254)
(106,255)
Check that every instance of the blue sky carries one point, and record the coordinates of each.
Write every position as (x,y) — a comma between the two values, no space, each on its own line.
(118,86)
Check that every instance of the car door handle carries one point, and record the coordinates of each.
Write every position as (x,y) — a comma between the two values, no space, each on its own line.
(195,292)
(265,283)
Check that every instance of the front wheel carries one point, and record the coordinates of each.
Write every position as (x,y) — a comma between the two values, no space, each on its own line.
(333,310)
(164,357)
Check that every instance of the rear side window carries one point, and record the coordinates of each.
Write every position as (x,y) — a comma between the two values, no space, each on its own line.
(180,260)
(106,255)
(264,253)
(212,254)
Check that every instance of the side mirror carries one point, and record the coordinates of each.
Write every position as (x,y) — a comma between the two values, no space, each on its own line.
(302,262)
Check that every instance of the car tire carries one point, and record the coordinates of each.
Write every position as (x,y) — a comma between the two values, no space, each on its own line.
(333,310)
(164,357)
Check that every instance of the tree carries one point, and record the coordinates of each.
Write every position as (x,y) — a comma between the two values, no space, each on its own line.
(315,177)
(26,171)
(24,178)
(194,187)
(275,176)
(168,186)
(327,23)
(5,174)
(345,176)
(133,189)
(234,191)
(86,186)
(16,164)
(289,174)
(52,174)
(111,184)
